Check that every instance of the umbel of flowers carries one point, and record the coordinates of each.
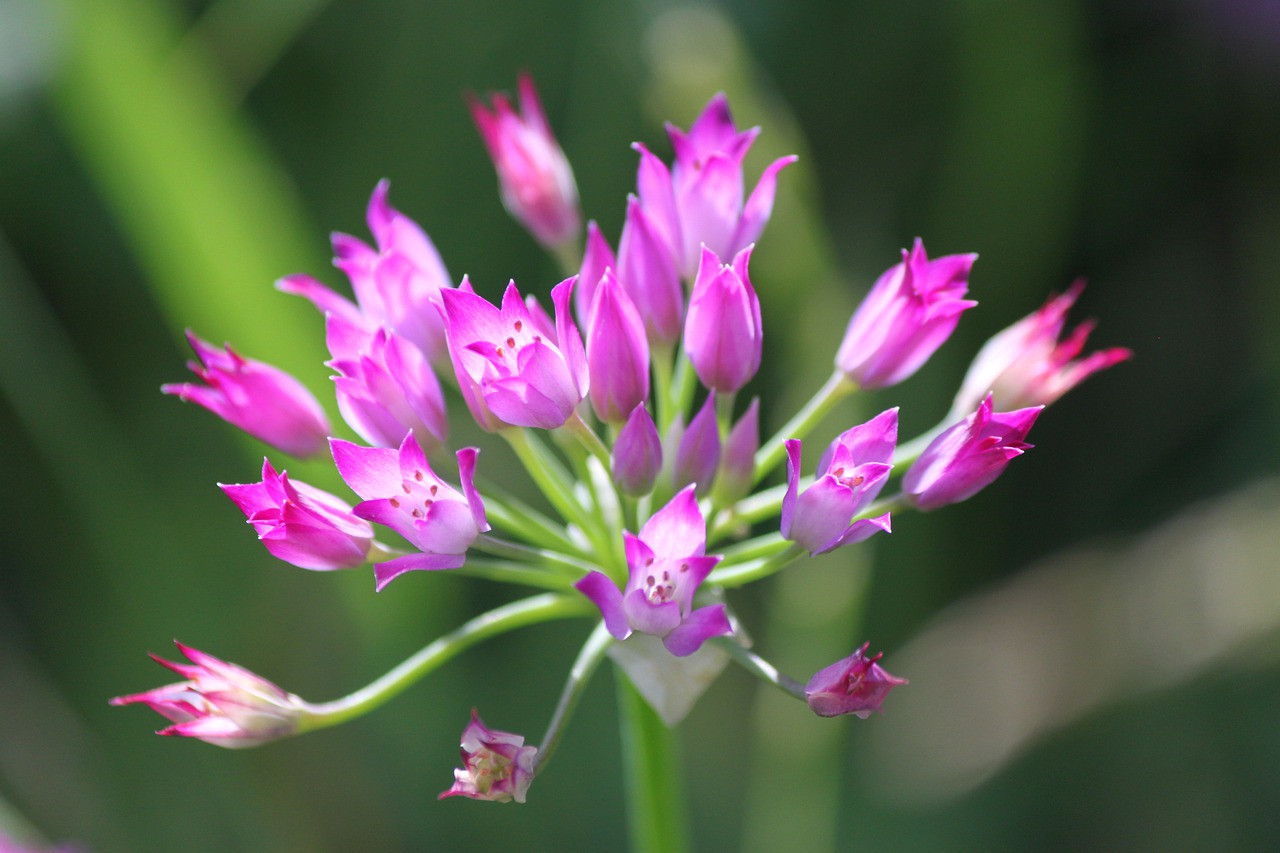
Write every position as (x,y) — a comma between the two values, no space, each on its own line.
(636,364)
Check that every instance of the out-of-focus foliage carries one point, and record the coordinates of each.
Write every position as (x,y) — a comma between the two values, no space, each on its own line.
(162,162)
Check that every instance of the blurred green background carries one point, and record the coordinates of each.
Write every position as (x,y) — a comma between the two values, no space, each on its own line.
(1092,641)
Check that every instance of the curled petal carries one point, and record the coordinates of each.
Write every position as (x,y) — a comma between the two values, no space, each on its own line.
(698,627)
(385,573)
(605,595)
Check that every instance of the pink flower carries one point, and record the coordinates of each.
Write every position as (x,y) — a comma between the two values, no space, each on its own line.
(262,400)
(617,353)
(384,385)
(400,491)
(723,334)
(697,455)
(1026,364)
(699,201)
(637,454)
(648,272)
(220,703)
(969,456)
(597,258)
(496,765)
(911,311)
(300,524)
(508,370)
(397,285)
(856,685)
(850,476)
(535,178)
(666,565)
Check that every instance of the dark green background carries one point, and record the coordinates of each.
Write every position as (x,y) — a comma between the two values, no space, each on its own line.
(162,162)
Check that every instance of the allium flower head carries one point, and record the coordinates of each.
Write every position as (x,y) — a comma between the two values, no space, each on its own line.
(262,400)
(666,565)
(911,311)
(723,332)
(856,685)
(534,175)
(496,765)
(850,476)
(700,199)
(969,456)
(401,491)
(221,703)
(301,524)
(1026,364)
(509,371)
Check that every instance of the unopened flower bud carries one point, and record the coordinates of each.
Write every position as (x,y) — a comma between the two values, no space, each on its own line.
(856,685)
(637,454)
(221,703)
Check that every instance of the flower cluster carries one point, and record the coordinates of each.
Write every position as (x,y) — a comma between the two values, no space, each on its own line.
(637,370)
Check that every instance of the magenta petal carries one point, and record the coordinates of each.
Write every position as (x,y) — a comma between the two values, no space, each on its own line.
(637,454)
(647,270)
(712,130)
(447,528)
(385,573)
(698,453)
(693,570)
(388,513)
(514,401)
(710,204)
(821,515)
(657,198)
(698,627)
(471,318)
(617,353)
(466,474)
(602,592)
(639,555)
(873,441)
(325,299)
(678,529)
(860,531)
(793,446)
(759,207)
(597,258)
(568,337)
(648,618)
(370,472)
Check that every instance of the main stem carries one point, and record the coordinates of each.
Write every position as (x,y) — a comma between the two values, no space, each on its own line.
(651,770)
